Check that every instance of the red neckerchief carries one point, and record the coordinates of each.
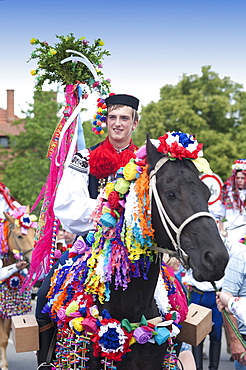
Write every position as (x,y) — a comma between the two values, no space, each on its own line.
(105,160)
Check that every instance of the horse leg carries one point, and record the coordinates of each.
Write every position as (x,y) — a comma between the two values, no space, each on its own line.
(4,337)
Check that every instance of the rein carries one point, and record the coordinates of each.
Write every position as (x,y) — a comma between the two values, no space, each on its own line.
(11,227)
(166,221)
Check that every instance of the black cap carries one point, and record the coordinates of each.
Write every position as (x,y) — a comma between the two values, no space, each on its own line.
(122,99)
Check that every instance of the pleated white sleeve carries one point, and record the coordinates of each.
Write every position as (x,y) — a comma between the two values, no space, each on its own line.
(6,272)
(73,205)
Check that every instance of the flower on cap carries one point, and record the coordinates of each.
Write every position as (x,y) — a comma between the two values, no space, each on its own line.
(101,42)
(33,41)
(33,72)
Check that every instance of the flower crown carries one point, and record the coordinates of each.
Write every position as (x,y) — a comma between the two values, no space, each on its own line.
(50,69)
(239,165)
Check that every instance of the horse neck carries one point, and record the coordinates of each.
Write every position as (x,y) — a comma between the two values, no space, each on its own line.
(136,300)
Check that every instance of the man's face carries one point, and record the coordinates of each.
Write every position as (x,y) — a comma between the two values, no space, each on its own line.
(69,237)
(240,180)
(120,126)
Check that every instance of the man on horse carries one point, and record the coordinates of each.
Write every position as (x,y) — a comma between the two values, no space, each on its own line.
(81,184)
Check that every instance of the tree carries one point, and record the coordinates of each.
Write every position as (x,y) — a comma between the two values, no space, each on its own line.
(207,106)
(26,170)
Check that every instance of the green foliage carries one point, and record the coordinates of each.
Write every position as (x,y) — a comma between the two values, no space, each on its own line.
(26,170)
(207,106)
(50,69)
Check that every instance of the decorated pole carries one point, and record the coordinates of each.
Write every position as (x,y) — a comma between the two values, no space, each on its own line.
(80,73)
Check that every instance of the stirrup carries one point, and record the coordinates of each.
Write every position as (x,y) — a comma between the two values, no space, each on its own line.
(45,364)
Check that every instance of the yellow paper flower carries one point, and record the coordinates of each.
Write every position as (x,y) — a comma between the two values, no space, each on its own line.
(33,72)
(105,210)
(108,189)
(72,307)
(53,51)
(202,165)
(94,312)
(17,223)
(101,42)
(33,40)
(82,38)
(77,324)
(33,218)
(130,171)
(132,341)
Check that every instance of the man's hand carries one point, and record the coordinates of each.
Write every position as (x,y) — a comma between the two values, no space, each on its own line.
(237,349)
(222,299)
(21,265)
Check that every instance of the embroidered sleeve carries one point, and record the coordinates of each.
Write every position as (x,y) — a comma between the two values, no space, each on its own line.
(80,163)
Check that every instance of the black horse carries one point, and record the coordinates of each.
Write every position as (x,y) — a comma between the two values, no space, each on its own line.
(181,221)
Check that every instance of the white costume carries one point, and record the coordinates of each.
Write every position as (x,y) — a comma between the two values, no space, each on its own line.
(73,205)
(6,272)
(235,223)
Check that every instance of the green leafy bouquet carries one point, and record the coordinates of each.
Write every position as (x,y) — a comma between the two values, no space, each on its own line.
(50,69)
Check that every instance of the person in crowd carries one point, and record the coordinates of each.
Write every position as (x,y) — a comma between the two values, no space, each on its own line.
(179,303)
(230,210)
(235,284)
(203,294)
(81,183)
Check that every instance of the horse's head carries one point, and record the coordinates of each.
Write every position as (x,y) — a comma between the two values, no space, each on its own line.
(20,234)
(184,198)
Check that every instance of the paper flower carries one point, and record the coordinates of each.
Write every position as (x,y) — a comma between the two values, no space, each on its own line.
(90,324)
(108,188)
(142,335)
(61,314)
(239,165)
(130,171)
(113,199)
(111,341)
(33,41)
(180,145)
(33,72)
(49,68)
(72,307)
(122,186)
(53,51)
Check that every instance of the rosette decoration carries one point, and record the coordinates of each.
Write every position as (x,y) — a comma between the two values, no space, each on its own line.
(182,145)
(77,65)
(24,220)
(239,165)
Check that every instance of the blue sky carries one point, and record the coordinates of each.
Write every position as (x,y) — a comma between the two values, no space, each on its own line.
(152,43)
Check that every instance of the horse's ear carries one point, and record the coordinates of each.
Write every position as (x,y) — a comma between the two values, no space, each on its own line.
(153,155)
(9,218)
(27,209)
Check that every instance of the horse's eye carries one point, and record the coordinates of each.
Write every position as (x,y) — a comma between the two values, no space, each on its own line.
(170,195)
(19,236)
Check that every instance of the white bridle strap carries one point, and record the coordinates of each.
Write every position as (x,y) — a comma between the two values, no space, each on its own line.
(166,221)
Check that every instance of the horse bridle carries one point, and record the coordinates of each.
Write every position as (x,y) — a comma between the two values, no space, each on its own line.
(11,227)
(167,223)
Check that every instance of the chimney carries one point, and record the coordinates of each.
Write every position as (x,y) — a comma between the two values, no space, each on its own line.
(10,106)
